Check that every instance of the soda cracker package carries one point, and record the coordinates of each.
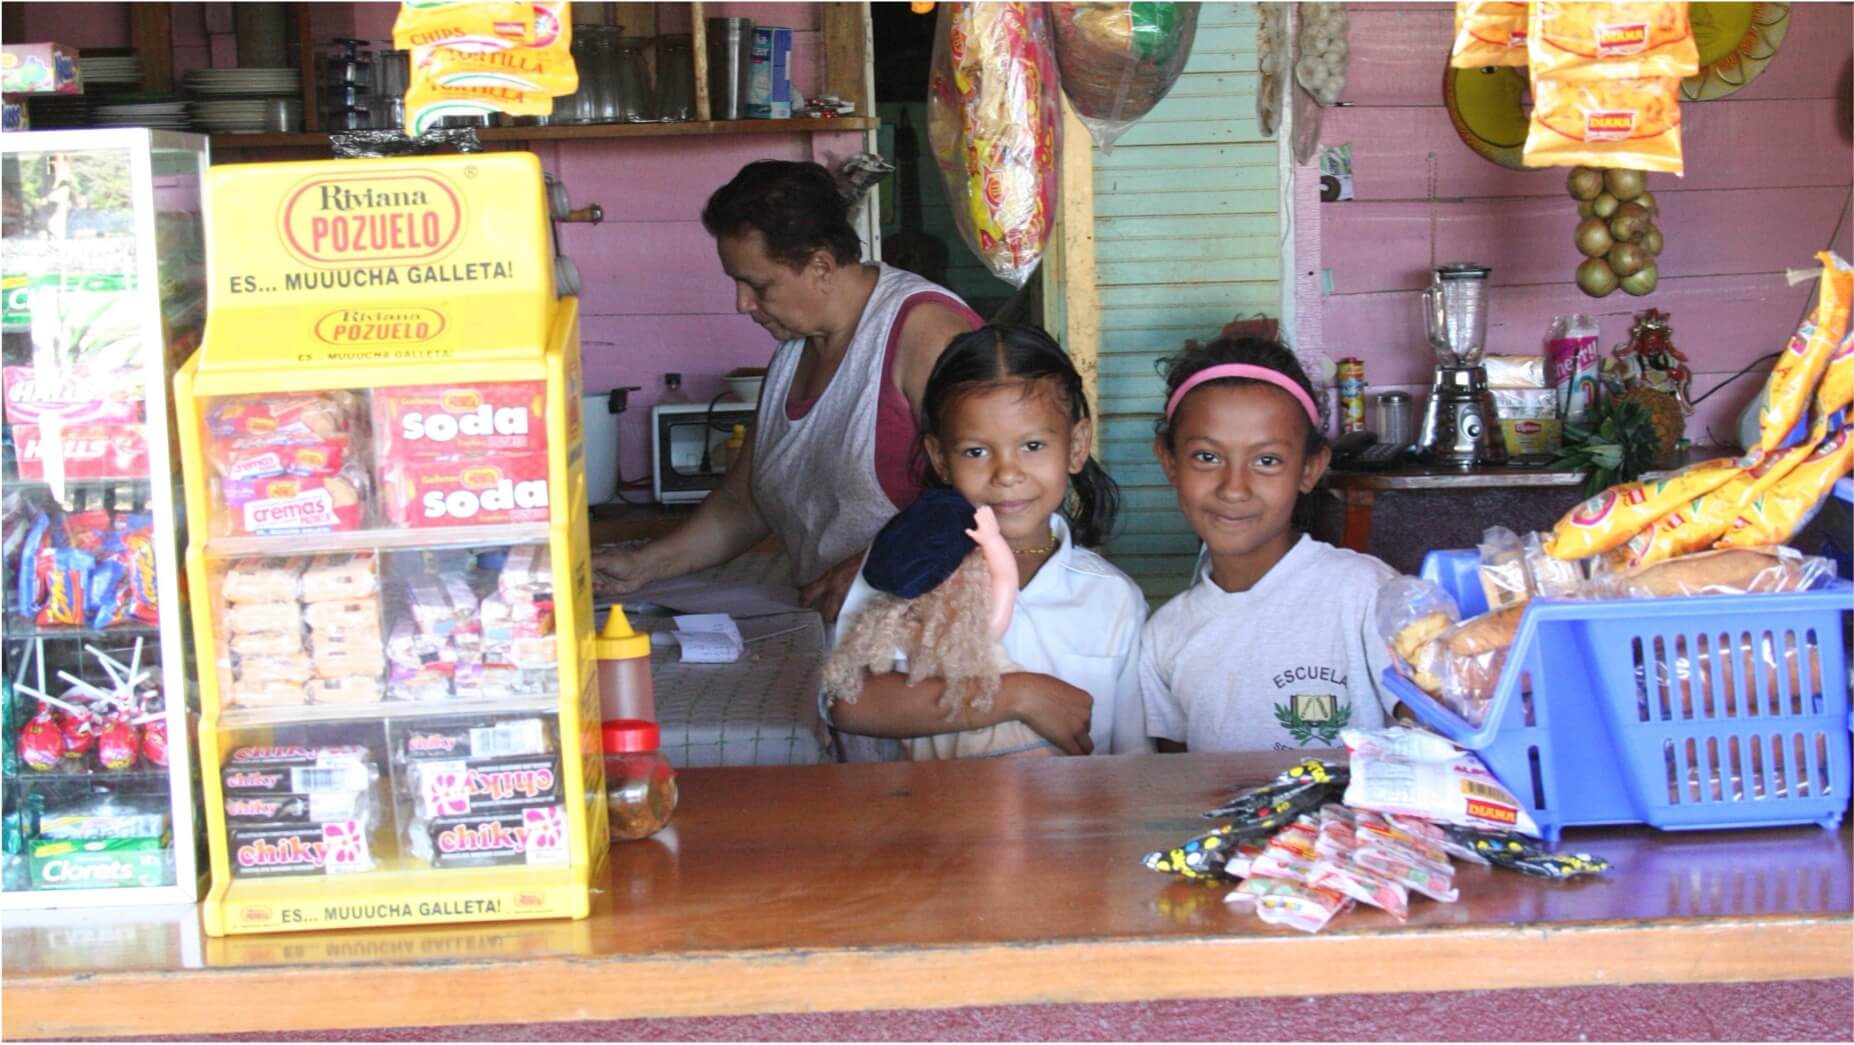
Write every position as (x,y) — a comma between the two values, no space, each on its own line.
(1597,40)
(1488,33)
(450,420)
(466,491)
(1633,123)
(1612,517)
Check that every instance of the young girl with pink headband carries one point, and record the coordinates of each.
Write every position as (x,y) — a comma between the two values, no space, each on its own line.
(1273,647)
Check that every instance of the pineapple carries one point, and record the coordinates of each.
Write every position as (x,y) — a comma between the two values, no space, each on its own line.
(1618,449)
(1664,411)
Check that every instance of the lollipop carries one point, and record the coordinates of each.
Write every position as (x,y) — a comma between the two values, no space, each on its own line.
(118,743)
(41,745)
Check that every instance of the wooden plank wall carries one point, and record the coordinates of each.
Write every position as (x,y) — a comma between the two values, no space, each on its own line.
(1768,175)
(1186,236)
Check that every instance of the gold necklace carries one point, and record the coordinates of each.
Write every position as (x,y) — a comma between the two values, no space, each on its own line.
(1044,550)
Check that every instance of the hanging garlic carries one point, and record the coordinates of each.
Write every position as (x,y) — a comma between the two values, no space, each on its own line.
(1320,67)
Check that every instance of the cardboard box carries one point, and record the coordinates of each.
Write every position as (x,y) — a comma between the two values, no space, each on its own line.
(40,69)
(769,77)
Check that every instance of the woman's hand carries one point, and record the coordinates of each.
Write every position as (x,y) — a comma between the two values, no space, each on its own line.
(827,592)
(1056,711)
(621,569)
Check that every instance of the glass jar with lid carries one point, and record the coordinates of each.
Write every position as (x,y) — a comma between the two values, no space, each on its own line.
(640,785)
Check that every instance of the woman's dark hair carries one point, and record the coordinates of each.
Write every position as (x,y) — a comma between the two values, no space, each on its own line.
(795,206)
(993,355)
(1254,351)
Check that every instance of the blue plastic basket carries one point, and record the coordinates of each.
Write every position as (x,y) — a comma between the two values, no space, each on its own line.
(1589,723)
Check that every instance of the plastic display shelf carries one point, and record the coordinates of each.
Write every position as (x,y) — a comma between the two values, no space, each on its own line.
(65,778)
(311,714)
(20,628)
(377,540)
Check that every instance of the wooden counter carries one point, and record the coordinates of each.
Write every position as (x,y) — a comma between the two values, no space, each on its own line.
(948,884)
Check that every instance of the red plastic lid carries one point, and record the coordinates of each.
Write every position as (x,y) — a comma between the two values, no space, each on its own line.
(625,736)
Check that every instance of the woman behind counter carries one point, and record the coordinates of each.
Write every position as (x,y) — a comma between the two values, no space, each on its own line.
(835,444)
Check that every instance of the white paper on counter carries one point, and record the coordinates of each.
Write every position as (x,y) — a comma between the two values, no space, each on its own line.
(708,638)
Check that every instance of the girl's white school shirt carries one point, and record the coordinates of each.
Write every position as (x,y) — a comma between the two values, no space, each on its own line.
(1282,666)
(1079,619)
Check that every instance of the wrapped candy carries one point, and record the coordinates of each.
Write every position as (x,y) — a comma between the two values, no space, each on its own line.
(41,743)
(154,743)
(119,743)
(994,119)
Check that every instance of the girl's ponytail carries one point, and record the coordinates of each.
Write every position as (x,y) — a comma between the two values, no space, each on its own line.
(1096,502)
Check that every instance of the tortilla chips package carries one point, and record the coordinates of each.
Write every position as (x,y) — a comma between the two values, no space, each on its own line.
(1585,40)
(1488,33)
(1632,123)
(471,59)
(994,116)
(1793,500)
(1694,525)
(1610,518)
(1805,359)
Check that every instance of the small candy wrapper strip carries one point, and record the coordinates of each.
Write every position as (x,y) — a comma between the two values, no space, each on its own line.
(1376,832)
(270,579)
(1488,33)
(275,850)
(422,684)
(1609,39)
(1436,835)
(1281,902)
(1528,857)
(1415,772)
(1793,379)
(1397,866)
(341,578)
(92,450)
(1256,803)
(1343,874)
(1793,500)
(314,808)
(407,647)
(75,396)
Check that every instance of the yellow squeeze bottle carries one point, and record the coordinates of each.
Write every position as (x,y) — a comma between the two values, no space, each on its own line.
(625,690)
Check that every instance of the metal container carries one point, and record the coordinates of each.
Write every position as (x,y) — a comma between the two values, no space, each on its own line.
(1395,420)
(730,51)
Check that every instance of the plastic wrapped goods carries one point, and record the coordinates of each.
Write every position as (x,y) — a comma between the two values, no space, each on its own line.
(1119,60)
(994,119)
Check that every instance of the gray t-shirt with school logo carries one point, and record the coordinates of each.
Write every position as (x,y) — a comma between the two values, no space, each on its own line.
(1282,666)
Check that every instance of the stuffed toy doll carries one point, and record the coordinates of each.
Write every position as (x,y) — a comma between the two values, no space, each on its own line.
(943,585)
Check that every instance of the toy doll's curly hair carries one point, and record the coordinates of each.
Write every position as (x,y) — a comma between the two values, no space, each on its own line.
(945,633)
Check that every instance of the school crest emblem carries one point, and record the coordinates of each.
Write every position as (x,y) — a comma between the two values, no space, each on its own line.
(1313,716)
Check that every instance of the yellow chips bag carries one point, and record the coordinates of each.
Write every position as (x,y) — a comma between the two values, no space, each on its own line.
(1488,33)
(1698,523)
(1612,517)
(1799,369)
(1605,123)
(1580,40)
(1775,517)
(470,59)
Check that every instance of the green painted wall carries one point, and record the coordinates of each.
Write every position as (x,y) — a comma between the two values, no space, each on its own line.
(1187,231)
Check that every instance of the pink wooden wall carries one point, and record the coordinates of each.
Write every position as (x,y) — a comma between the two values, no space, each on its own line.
(1768,175)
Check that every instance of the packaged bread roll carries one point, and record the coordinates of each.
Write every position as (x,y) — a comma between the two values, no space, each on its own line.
(271,579)
(281,667)
(345,578)
(347,689)
(251,617)
(266,643)
(343,618)
(267,694)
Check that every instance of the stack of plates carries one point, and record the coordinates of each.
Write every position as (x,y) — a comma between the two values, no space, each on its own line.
(248,115)
(111,71)
(245,83)
(167,115)
(55,111)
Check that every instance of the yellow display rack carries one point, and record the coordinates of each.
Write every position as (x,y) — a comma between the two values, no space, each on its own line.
(349,276)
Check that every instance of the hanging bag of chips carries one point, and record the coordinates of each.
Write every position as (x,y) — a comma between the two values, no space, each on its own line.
(1488,33)
(1119,60)
(475,59)
(994,119)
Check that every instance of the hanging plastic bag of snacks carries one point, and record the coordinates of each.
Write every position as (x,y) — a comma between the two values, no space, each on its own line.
(1591,40)
(477,59)
(1118,60)
(1488,33)
(1633,123)
(994,119)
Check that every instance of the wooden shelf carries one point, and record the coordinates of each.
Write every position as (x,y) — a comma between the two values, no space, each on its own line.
(582,131)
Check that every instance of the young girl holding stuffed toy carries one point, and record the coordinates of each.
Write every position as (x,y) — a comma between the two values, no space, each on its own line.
(929,649)
(1274,646)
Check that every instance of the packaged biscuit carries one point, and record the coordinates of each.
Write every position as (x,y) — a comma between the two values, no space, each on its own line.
(453,420)
(267,457)
(1597,40)
(1633,123)
(340,578)
(1488,33)
(1793,500)
(534,836)
(456,787)
(1794,377)
(261,692)
(263,580)
(344,621)
(247,618)
(278,809)
(281,667)
(304,417)
(265,769)
(1620,512)
(275,850)
(335,660)
(476,739)
(344,689)
(266,644)
(482,490)
(291,505)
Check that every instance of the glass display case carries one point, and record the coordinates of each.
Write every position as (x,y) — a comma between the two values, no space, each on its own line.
(105,292)
(383,463)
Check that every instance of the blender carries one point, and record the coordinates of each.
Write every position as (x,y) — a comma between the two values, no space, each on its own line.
(1460,427)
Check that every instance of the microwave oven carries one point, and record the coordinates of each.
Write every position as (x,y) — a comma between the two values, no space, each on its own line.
(688,445)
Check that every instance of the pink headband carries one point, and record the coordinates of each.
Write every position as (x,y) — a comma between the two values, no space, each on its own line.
(1254,373)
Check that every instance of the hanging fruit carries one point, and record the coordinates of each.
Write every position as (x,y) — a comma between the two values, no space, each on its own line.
(1616,231)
